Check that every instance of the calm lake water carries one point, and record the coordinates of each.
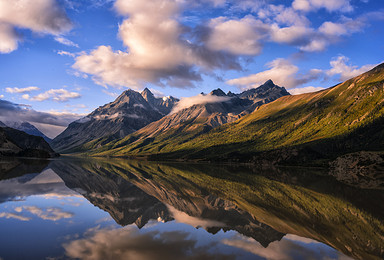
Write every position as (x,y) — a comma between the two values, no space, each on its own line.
(121,209)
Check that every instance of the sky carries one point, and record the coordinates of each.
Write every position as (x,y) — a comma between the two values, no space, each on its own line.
(61,59)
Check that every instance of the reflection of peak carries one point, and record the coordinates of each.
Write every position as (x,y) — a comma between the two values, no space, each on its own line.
(143,199)
(121,199)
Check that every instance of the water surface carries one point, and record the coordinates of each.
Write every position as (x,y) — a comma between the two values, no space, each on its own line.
(120,209)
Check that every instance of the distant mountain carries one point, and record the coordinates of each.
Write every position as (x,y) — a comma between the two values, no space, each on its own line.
(187,124)
(291,130)
(2,124)
(128,113)
(18,143)
(28,128)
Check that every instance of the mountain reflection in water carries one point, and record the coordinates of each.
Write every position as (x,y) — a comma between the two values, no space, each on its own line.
(193,211)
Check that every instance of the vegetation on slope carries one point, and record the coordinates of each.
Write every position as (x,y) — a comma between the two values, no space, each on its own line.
(344,118)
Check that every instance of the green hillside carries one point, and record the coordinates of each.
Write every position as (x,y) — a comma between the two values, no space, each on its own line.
(324,124)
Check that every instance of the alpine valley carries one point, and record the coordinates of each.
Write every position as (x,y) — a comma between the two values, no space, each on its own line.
(261,125)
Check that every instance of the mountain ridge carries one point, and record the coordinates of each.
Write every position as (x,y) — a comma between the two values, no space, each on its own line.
(292,129)
(187,123)
(128,113)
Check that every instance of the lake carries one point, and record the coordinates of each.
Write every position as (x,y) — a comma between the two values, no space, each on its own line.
(71,208)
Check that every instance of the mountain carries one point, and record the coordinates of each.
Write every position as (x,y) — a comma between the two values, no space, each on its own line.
(128,113)
(184,125)
(28,128)
(18,143)
(2,124)
(296,129)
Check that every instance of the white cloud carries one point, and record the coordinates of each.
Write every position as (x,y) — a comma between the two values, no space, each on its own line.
(42,16)
(197,100)
(66,53)
(156,52)
(21,90)
(66,41)
(309,89)
(340,66)
(59,95)
(329,5)
(1,96)
(239,37)
(282,72)
(8,38)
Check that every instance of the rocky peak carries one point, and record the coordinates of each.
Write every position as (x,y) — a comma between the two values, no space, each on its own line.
(218,92)
(148,95)
(267,90)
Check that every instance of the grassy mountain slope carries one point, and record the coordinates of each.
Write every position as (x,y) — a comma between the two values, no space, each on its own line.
(347,117)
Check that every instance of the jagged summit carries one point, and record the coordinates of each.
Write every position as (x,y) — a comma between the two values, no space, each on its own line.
(218,92)
(128,113)
(147,95)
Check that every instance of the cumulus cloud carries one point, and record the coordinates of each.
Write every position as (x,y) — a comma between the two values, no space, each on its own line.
(329,5)
(8,38)
(66,41)
(59,95)
(281,71)
(41,16)
(21,90)
(239,37)
(197,100)
(341,67)
(129,243)
(157,51)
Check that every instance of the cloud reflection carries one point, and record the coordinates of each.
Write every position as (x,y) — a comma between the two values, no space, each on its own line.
(46,184)
(286,249)
(129,243)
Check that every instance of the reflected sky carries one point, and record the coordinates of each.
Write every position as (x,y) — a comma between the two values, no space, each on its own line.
(105,216)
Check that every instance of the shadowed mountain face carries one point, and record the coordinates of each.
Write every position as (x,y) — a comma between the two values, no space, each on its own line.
(186,124)
(262,204)
(18,143)
(128,113)
(29,129)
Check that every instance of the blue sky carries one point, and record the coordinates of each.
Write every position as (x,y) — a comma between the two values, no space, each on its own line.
(64,58)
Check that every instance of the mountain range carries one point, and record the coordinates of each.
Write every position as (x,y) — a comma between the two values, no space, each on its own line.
(292,129)
(149,118)
(127,114)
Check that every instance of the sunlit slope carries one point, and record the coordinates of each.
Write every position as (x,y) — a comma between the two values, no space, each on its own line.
(346,117)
